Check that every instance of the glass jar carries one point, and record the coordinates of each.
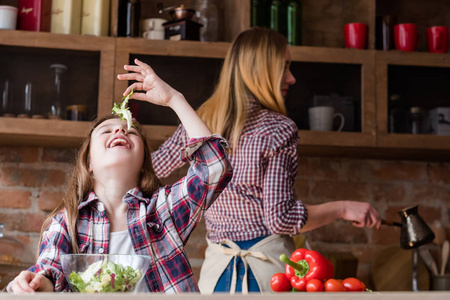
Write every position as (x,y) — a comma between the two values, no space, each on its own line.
(398,111)
(56,94)
(208,15)
(129,18)
(418,121)
(6,88)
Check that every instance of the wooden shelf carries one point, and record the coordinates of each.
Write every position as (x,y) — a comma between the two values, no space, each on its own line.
(368,72)
(48,133)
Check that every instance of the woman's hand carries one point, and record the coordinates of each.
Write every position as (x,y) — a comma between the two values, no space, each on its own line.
(156,91)
(28,282)
(361,214)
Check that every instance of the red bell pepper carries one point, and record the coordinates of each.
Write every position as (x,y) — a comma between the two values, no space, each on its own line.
(298,283)
(309,264)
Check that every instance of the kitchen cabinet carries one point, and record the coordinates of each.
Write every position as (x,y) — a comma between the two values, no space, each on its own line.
(27,56)
(321,66)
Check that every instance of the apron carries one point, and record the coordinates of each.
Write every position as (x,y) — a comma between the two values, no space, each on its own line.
(262,258)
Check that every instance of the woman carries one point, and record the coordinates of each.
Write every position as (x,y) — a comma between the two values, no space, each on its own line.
(256,215)
(115,204)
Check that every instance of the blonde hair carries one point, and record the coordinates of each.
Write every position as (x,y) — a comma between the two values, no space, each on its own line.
(253,68)
(81,183)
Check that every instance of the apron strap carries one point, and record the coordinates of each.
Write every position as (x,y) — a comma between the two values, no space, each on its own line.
(243,255)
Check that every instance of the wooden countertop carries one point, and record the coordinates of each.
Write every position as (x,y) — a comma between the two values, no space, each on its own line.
(434,295)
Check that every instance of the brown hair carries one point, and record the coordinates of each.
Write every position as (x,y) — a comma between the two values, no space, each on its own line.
(81,182)
(253,68)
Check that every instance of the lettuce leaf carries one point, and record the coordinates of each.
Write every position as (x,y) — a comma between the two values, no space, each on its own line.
(123,111)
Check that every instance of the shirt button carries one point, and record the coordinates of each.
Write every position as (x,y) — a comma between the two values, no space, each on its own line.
(101,250)
(157,227)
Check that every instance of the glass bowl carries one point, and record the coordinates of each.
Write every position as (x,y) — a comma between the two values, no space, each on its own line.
(105,273)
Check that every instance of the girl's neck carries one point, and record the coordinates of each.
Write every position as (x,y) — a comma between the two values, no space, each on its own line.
(111,190)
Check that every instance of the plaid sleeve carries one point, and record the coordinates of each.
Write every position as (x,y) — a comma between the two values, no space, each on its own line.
(167,158)
(209,173)
(283,214)
(55,241)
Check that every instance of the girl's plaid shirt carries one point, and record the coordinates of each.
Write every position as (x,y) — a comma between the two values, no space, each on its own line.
(159,226)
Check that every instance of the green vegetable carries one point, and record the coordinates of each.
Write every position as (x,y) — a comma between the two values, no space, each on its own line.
(105,277)
(123,111)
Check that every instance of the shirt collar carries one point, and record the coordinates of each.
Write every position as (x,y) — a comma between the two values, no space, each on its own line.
(130,196)
(253,104)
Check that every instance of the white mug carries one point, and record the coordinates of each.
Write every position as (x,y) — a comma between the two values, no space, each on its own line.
(153,34)
(153,24)
(8,17)
(321,118)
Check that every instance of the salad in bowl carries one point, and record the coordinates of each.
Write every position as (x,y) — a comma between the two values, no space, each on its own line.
(104,273)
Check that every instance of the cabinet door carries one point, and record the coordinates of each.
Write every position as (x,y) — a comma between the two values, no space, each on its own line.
(26,58)
(342,78)
(421,80)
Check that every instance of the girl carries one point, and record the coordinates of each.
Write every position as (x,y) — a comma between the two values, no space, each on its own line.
(113,190)
(257,211)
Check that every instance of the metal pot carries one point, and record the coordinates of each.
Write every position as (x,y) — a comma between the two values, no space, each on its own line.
(179,13)
(414,231)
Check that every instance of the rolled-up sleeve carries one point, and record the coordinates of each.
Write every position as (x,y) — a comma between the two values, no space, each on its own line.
(209,173)
(283,214)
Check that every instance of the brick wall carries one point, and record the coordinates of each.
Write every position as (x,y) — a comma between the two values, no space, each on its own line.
(32,181)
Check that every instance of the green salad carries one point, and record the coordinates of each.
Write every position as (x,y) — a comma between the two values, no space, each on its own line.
(105,277)
(123,111)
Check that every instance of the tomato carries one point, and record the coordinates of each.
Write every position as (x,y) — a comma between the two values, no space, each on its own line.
(280,283)
(354,285)
(334,285)
(314,285)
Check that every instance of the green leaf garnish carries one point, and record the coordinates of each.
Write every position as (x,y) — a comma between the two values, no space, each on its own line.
(123,111)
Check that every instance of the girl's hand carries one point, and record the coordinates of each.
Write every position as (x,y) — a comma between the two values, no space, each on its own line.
(156,91)
(29,282)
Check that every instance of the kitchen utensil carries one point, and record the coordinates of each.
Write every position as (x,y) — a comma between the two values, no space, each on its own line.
(160,8)
(177,12)
(440,283)
(181,12)
(445,253)
(415,232)
(428,260)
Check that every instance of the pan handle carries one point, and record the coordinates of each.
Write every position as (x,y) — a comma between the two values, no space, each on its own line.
(391,223)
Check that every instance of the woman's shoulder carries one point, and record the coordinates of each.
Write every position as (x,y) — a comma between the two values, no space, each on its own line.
(266,121)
